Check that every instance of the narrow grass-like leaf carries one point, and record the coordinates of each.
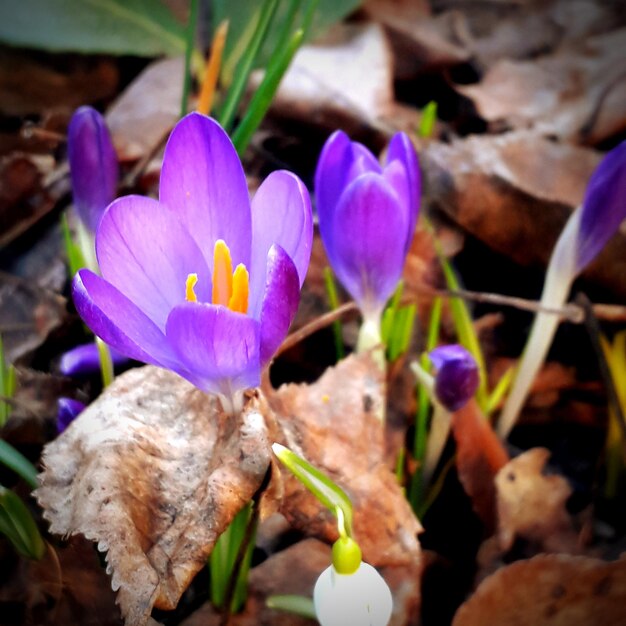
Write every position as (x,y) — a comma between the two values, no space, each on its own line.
(333,301)
(7,385)
(75,257)
(190,40)
(246,64)
(298,605)
(17,524)
(320,485)
(262,98)
(499,391)
(16,461)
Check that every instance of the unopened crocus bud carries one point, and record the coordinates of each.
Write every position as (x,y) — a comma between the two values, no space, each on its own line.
(456,378)
(362,598)
(67,410)
(93,165)
(587,231)
(85,361)
(367,216)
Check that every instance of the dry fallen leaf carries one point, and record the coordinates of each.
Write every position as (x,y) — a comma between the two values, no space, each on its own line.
(146,111)
(531,505)
(479,457)
(550,590)
(333,424)
(576,94)
(154,473)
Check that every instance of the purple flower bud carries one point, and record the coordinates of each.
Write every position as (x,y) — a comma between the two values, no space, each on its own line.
(68,409)
(604,207)
(456,378)
(84,360)
(93,165)
(367,215)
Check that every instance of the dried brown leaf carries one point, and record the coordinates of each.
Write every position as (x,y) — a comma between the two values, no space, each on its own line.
(531,505)
(153,472)
(549,590)
(334,424)
(143,115)
(479,457)
(575,94)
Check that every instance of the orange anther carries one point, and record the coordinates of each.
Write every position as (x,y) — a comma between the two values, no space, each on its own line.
(222,274)
(239,300)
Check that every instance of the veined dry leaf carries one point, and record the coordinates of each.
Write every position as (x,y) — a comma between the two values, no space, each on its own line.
(550,590)
(153,472)
(531,505)
(334,424)
(479,457)
(147,110)
(576,94)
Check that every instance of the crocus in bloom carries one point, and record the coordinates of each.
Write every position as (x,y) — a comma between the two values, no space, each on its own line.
(587,231)
(168,294)
(93,165)
(456,375)
(67,410)
(367,216)
(84,360)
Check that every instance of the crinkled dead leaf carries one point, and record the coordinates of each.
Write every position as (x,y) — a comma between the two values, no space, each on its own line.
(550,590)
(531,504)
(479,457)
(334,424)
(576,94)
(153,472)
(147,110)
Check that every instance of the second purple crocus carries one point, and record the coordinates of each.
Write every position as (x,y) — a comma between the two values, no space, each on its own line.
(202,281)
(367,216)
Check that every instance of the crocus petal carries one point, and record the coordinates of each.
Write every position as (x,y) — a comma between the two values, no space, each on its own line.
(219,348)
(147,254)
(67,411)
(281,214)
(118,322)
(85,360)
(203,182)
(280,301)
(368,253)
(604,207)
(93,165)
(457,376)
(401,149)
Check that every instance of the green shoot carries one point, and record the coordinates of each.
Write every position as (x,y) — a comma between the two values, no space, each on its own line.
(428,121)
(320,485)
(17,524)
(7,386)
(333,301)
(75,257)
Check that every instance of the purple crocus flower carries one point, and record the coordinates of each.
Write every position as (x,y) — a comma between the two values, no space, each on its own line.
(84,360)
(168,295)
(93,165)
(67,410)
(367,215)
(456,378)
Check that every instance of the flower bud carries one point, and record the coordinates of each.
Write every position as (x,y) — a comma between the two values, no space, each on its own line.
(457,376)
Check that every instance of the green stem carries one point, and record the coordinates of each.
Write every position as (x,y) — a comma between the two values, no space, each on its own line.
(333,301)
(106,362)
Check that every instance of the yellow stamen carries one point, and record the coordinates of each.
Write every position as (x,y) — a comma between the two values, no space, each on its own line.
(239,300)
(222,274)
(190,283)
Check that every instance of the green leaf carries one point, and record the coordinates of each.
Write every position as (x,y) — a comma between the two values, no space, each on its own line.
(323,488)
(299,605)
(138,27)
(428,121)
(17,524)
(16,461)
(75,257)
(333,301)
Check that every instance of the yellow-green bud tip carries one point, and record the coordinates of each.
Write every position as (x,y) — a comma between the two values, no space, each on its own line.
(346,555)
